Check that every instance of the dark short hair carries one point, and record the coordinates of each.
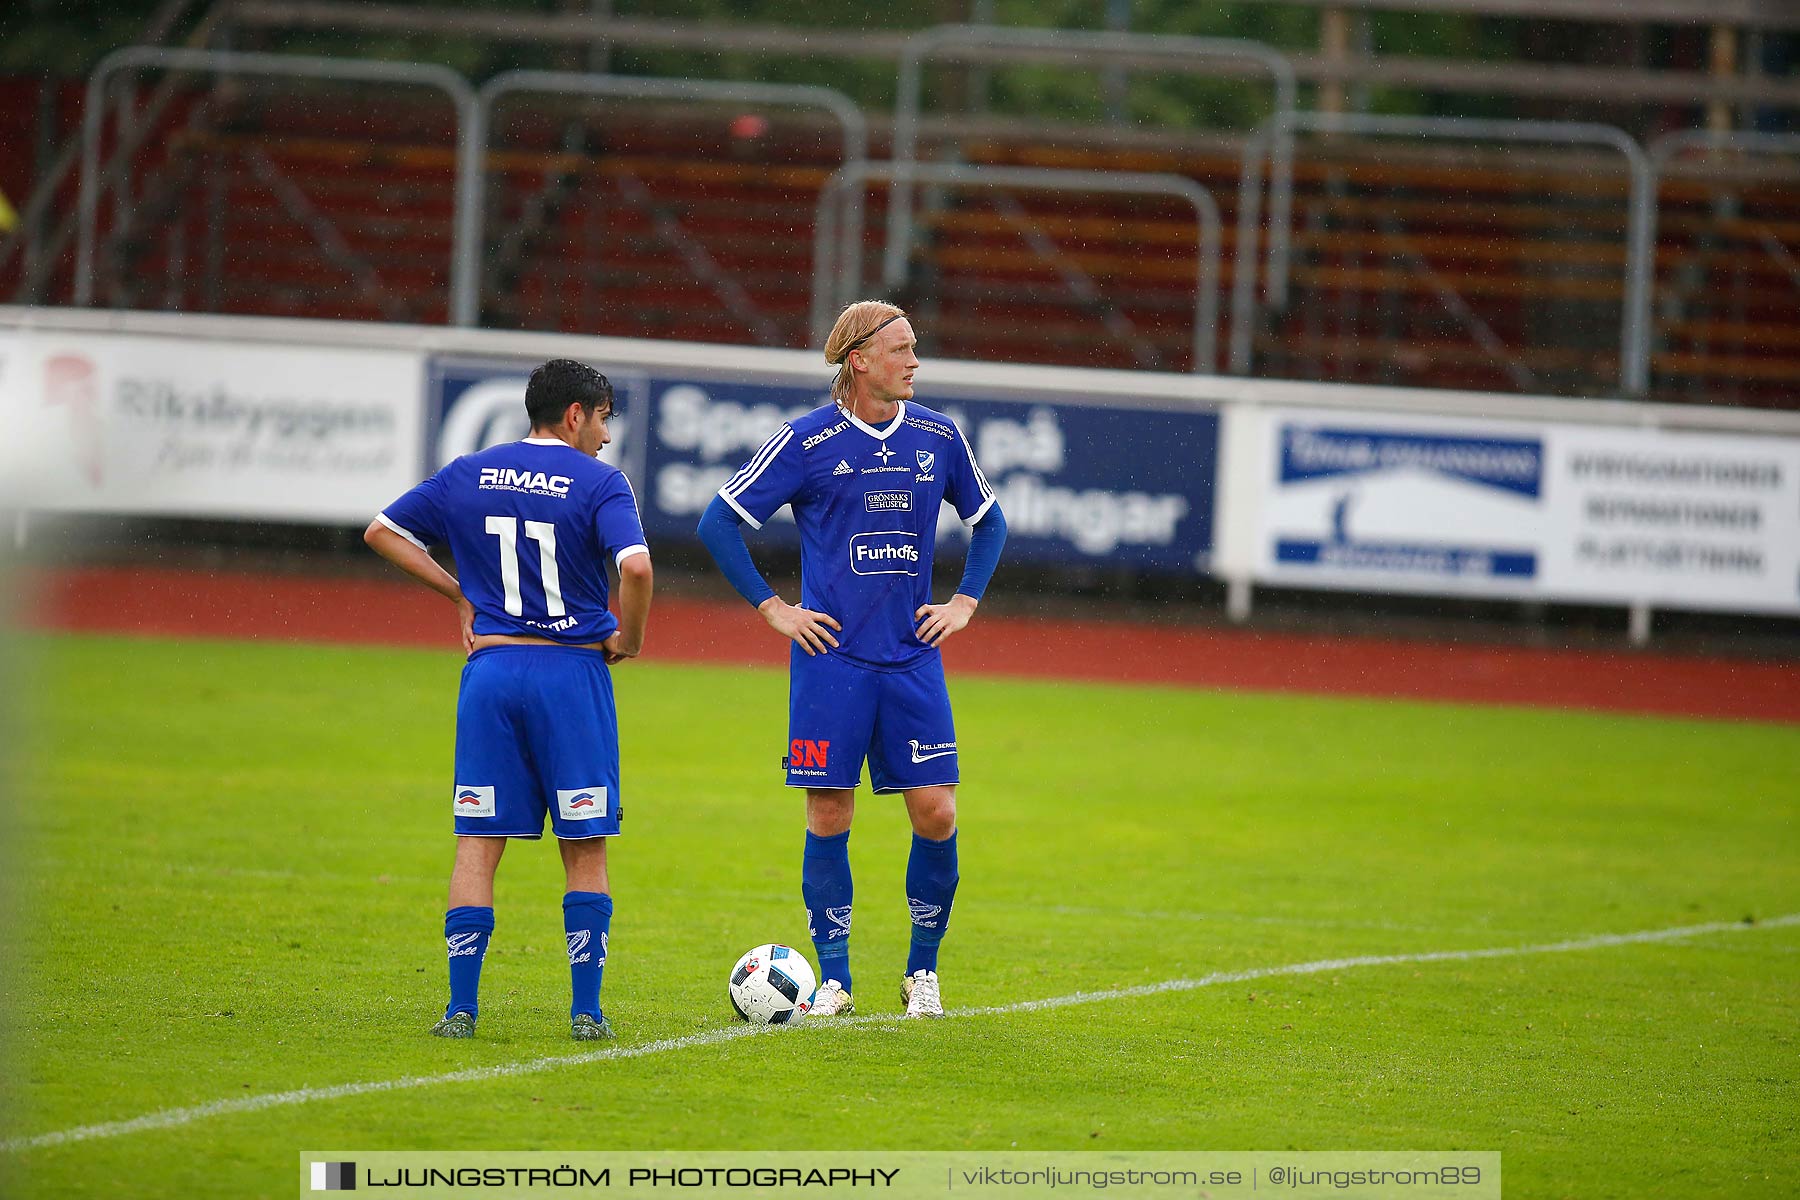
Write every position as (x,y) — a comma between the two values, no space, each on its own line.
(560,383)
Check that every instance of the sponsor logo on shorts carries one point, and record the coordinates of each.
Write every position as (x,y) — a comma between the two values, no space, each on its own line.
(924,915)
(891,553)
(926,751)
(535,483)
(462,945)
(474,801)
(887,501)
(581,804)
(804,752)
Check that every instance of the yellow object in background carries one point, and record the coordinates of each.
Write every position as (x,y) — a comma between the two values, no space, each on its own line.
(9,219)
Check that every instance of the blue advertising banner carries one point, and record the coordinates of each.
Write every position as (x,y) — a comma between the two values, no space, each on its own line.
(1078,483)
(1082,483)
(474,403)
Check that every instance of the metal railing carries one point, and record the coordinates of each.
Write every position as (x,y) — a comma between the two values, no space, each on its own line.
(225,62)
(1268,147)
(469,192)
(40,248)
(993,43)
(1666,148)
(848,274)
(1635,318)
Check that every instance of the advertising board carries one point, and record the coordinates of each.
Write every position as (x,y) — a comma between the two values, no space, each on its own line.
(165,426)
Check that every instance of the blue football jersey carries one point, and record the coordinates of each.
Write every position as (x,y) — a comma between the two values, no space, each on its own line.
(531,525)
(866,501)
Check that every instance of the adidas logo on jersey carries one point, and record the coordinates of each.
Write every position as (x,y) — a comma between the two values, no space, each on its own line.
(843,468)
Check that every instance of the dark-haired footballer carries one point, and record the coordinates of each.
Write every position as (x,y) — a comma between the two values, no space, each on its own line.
(532,525)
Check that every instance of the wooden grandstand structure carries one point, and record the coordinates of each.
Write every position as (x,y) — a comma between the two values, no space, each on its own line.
(1462,266)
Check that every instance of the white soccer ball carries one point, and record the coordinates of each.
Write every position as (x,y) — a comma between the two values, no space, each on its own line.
(772,985)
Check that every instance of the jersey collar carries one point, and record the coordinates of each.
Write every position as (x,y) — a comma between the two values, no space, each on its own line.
(880,435)
(543,441)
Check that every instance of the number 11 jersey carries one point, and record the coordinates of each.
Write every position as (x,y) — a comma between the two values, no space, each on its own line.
(531,525)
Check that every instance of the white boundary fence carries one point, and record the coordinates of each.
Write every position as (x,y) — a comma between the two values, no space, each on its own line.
(1251,481)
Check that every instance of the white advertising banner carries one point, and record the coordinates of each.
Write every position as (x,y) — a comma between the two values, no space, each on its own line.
(1441,505)
(1684,520)
(1402,503)
(184,427)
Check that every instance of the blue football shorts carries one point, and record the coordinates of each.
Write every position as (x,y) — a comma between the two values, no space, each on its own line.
(536,732)
(840,713)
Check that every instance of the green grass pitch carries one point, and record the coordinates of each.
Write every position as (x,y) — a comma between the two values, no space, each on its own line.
(228,863)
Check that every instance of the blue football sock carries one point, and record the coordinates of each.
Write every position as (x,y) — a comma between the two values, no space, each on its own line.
(466,932)
(587,917)
(930,890)
(825,887)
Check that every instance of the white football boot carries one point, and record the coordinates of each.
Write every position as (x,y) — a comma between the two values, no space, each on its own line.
(920,991)
(831,1000)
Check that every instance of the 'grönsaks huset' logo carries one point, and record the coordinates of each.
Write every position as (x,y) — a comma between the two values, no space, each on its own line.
(893,553)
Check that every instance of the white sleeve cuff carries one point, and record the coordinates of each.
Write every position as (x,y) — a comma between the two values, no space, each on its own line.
(629,552)
(748,519)
(405,533)
(980,512)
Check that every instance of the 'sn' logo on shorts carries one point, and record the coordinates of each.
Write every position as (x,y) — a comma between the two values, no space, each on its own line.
(804,752)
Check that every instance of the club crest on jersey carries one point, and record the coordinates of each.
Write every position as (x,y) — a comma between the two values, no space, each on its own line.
(535,483)
(926,459)
(581,804)
(474,801)
(892,553)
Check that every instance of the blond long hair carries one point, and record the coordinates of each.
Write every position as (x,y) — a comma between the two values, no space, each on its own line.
(855,325)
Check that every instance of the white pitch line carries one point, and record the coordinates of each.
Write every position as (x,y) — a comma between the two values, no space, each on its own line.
(171,1118)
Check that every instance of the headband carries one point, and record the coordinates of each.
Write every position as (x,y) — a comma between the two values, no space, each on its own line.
(865,337)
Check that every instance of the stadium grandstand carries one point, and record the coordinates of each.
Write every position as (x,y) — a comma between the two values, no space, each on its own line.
(1633,231)
(1355,445)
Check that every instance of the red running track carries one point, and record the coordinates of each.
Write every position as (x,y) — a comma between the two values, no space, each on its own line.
(143,600)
